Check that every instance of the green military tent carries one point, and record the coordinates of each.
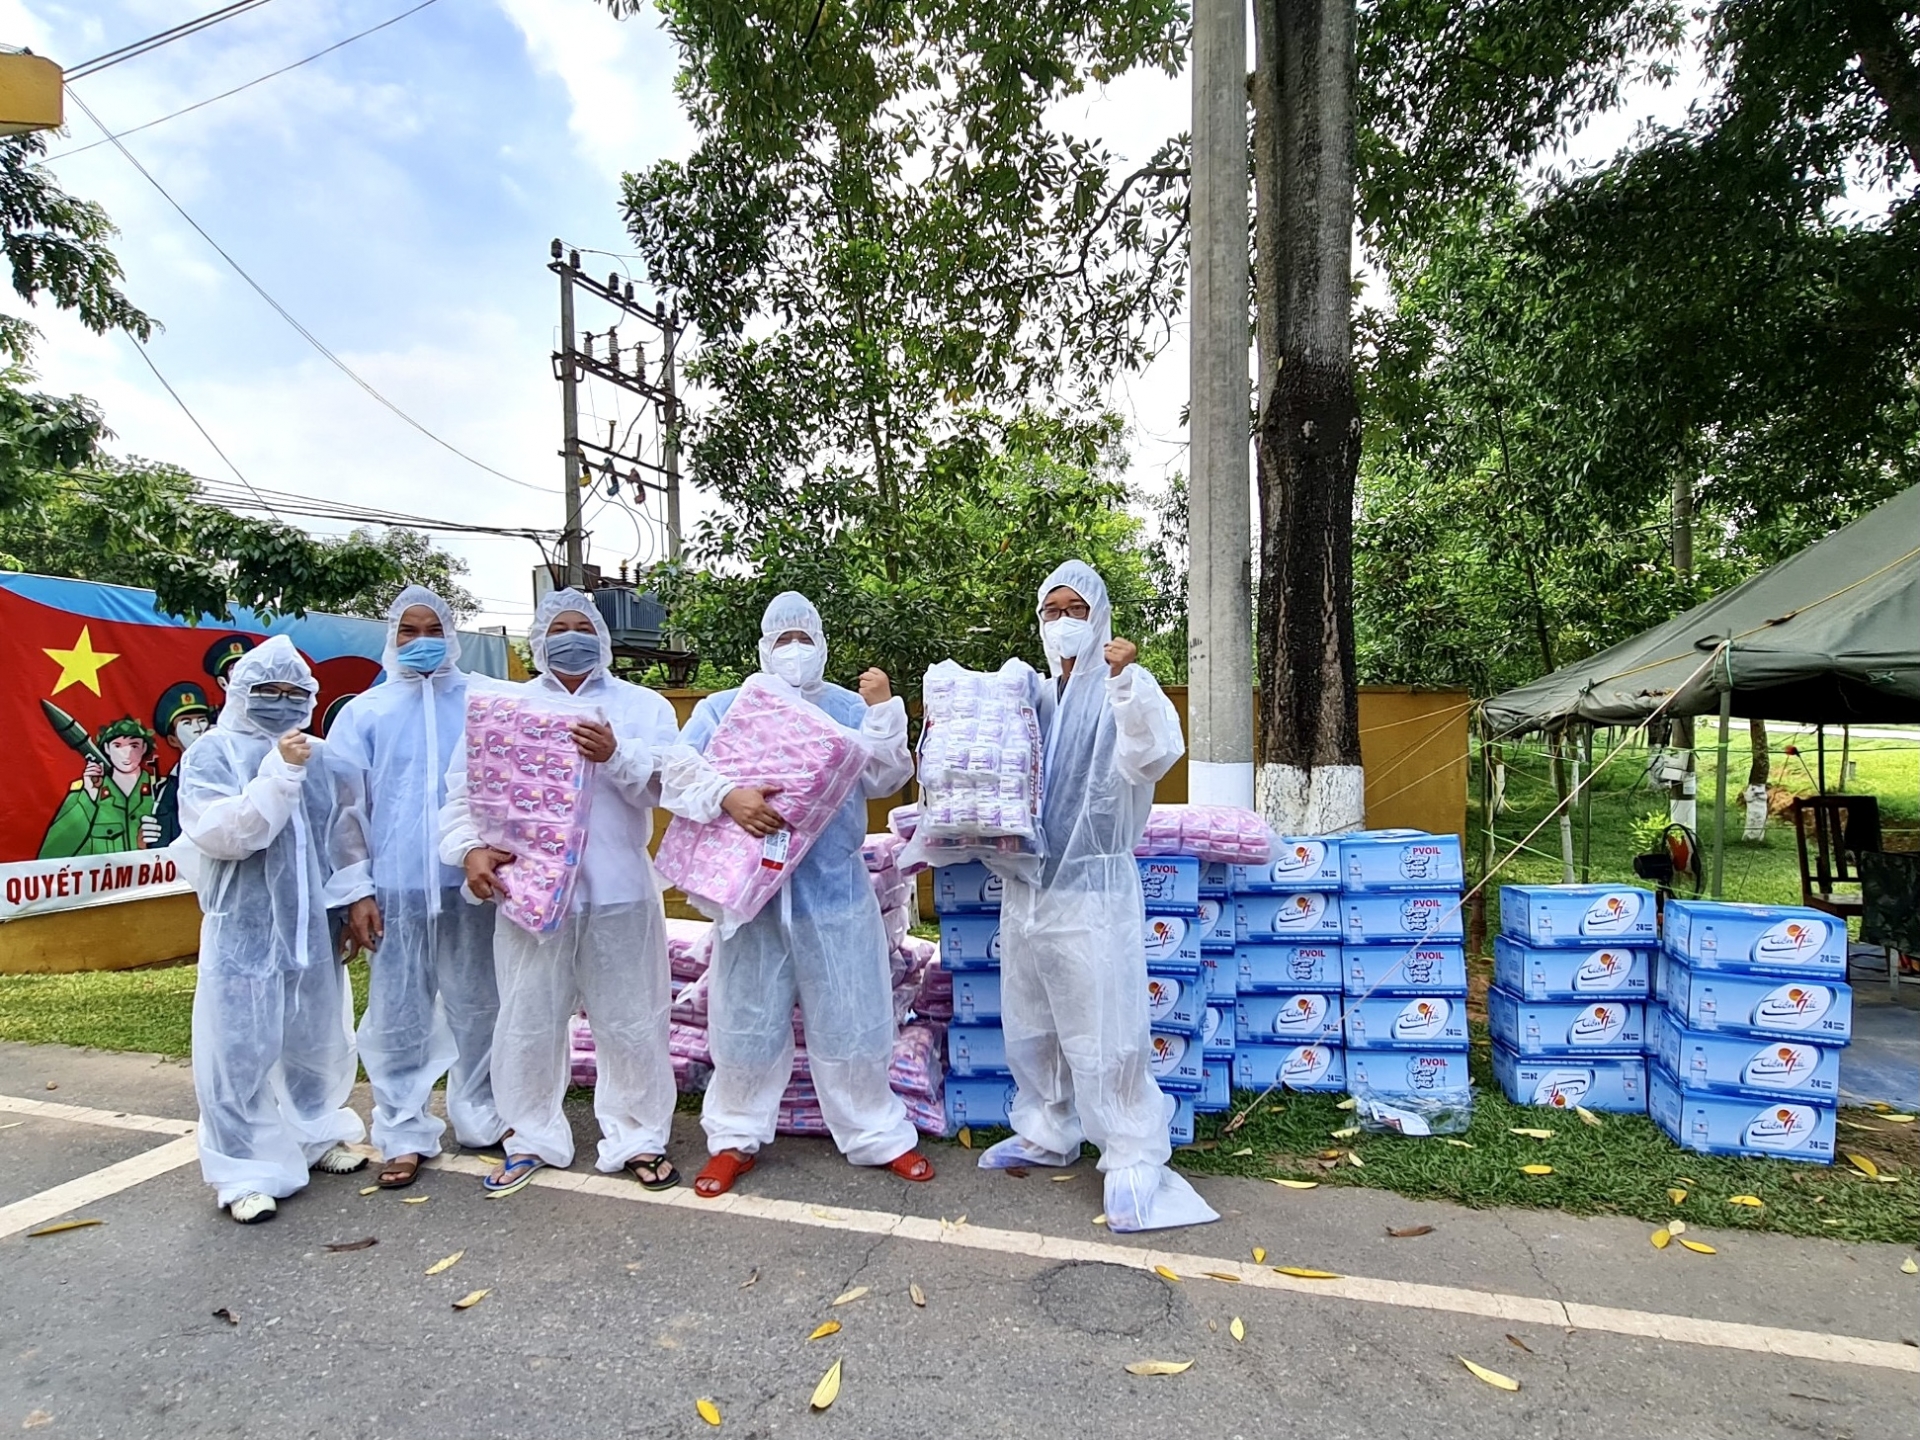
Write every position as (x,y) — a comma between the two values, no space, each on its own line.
(1828,636)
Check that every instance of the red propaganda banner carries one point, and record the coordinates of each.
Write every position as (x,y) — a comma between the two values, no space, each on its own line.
(106,695)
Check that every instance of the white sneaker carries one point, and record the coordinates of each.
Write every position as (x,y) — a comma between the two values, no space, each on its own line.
(252,1209)
(339,1161)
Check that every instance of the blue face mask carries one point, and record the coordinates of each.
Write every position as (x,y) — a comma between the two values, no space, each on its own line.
(425,655)
(277,714)
(573,652)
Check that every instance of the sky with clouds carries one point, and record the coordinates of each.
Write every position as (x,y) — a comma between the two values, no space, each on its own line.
(398,197)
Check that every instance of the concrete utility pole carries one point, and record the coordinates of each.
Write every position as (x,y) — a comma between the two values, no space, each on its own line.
(1219,527)
(570,419)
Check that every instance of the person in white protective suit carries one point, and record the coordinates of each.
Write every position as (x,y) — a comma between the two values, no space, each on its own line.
(821,941)
(1073,966)
(273,1059)
(431,1000)
(609,952)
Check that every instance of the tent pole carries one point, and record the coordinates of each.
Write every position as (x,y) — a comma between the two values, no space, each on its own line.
(1586,808)
(1720,790)
(1821,736)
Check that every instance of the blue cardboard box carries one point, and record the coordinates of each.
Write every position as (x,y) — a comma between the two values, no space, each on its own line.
(1615,1083)
(1414,862)
(1216,923)
(1300,862)
(1180,1127)
(1579,915)
(1170,884)
(1391,916)
(1537,973)
(1398,1022)
(1296,1067)
(1177,1003)
(1406,969)
(1741,1065)
(1216,1086)
(1291,916)
(1301,1018)
(1219,1031)
(1430,1073)
(1739,1124)
(970,942)
(1176,1063)
(1292,965)
(976,1050)
(978,1100)
(965,889)
(1756,939)
(1172,943)
(1762,1006)
(1566,1027)
(1216,877)
(976,997)
(1219,973)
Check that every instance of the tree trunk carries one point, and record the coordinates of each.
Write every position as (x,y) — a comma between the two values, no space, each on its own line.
(1760,767)
(1888,68)
(1681,808)
(1308,447)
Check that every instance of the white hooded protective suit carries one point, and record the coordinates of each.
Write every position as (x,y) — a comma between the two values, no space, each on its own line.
(822,941)
(610,952)
(273,1058)
(431,1000)
(1073,965)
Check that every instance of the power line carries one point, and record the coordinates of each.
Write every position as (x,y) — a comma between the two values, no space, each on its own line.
(224,94)
(164,37)
(188,412)
(287,315)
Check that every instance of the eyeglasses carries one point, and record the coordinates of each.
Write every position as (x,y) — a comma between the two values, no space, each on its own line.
(278,689)
(1077,611)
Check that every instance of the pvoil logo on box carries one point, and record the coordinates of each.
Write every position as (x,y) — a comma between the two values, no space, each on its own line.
(1563,1089)
(1780,1128)
(1301,1015)
(1304,858)
(1604,970)
(1164,935)
(1791,940)
(1612,914)
(1157,879)
(1428,1072)
(1778,1066)
(1419,862)
(1306,962)
(1597,1025)
(1306,1065)
(1168,1052)
(1422,1019)
(1794,1007)
(1163,997)
(1421,966)
(1299,912)
(1421,913)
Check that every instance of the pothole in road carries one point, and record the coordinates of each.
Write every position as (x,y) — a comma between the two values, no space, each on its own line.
(1099,1299)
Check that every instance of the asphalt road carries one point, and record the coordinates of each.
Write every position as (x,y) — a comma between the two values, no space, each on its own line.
(612,1315)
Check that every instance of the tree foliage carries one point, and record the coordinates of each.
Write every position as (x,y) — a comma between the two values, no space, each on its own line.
(415,560)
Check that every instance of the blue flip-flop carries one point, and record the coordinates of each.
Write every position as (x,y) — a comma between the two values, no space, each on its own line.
(515,1175)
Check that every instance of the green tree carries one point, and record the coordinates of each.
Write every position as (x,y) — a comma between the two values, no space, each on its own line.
(416,560)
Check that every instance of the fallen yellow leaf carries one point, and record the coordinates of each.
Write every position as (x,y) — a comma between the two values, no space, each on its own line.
(1909,1266)
(1699,1247)
(416,1200)
(1347,1104)
(826,1328)
(1676,1195)
(1237,1328)
(1164,1273)
(1061,1179)
(1300,1274)
(1492,1377)
(1346,1134)
(440,1267)
(709,1411)
(1299,1184)
(1898,1119)
(1752,1202)
(1863,1165)
(1587,1117)
(828,1390)
(60,1227)
(471,1299)
(1247,1150)
(852,1295)
(1676,1228)
(1159,1367)
(1100,1219)
(965,1137)
(1355,1161)
(1259,1254)
(1459,1144)
(1529,1130)
(371,1190)
(1221,1275)
(1536,1169)
(917,1295)
(1661,1239)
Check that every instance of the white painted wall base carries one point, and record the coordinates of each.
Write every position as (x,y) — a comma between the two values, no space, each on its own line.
(1684,812)
(1220,782)
(1321,801)
(1756,798)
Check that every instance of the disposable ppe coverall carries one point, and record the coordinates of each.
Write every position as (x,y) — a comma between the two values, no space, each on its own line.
(609,953)
(822,940)
(431,999)
(1073,967)
(273,1059)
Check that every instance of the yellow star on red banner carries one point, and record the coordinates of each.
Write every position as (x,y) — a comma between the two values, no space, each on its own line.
(82,664)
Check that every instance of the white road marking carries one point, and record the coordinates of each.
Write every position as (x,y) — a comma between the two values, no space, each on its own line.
(1402,1294)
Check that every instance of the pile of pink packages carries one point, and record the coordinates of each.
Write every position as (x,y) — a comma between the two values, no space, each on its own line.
(529,788)
(979,765)
(1224,833)
(769,738)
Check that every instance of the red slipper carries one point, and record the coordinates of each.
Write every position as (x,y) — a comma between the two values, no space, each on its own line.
(716,1177)
(911,1166)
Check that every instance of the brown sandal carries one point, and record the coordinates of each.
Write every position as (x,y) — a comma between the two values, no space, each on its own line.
(718,1175)
(399,1174)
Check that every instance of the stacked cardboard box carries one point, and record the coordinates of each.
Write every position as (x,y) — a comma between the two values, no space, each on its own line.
(1286,962)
